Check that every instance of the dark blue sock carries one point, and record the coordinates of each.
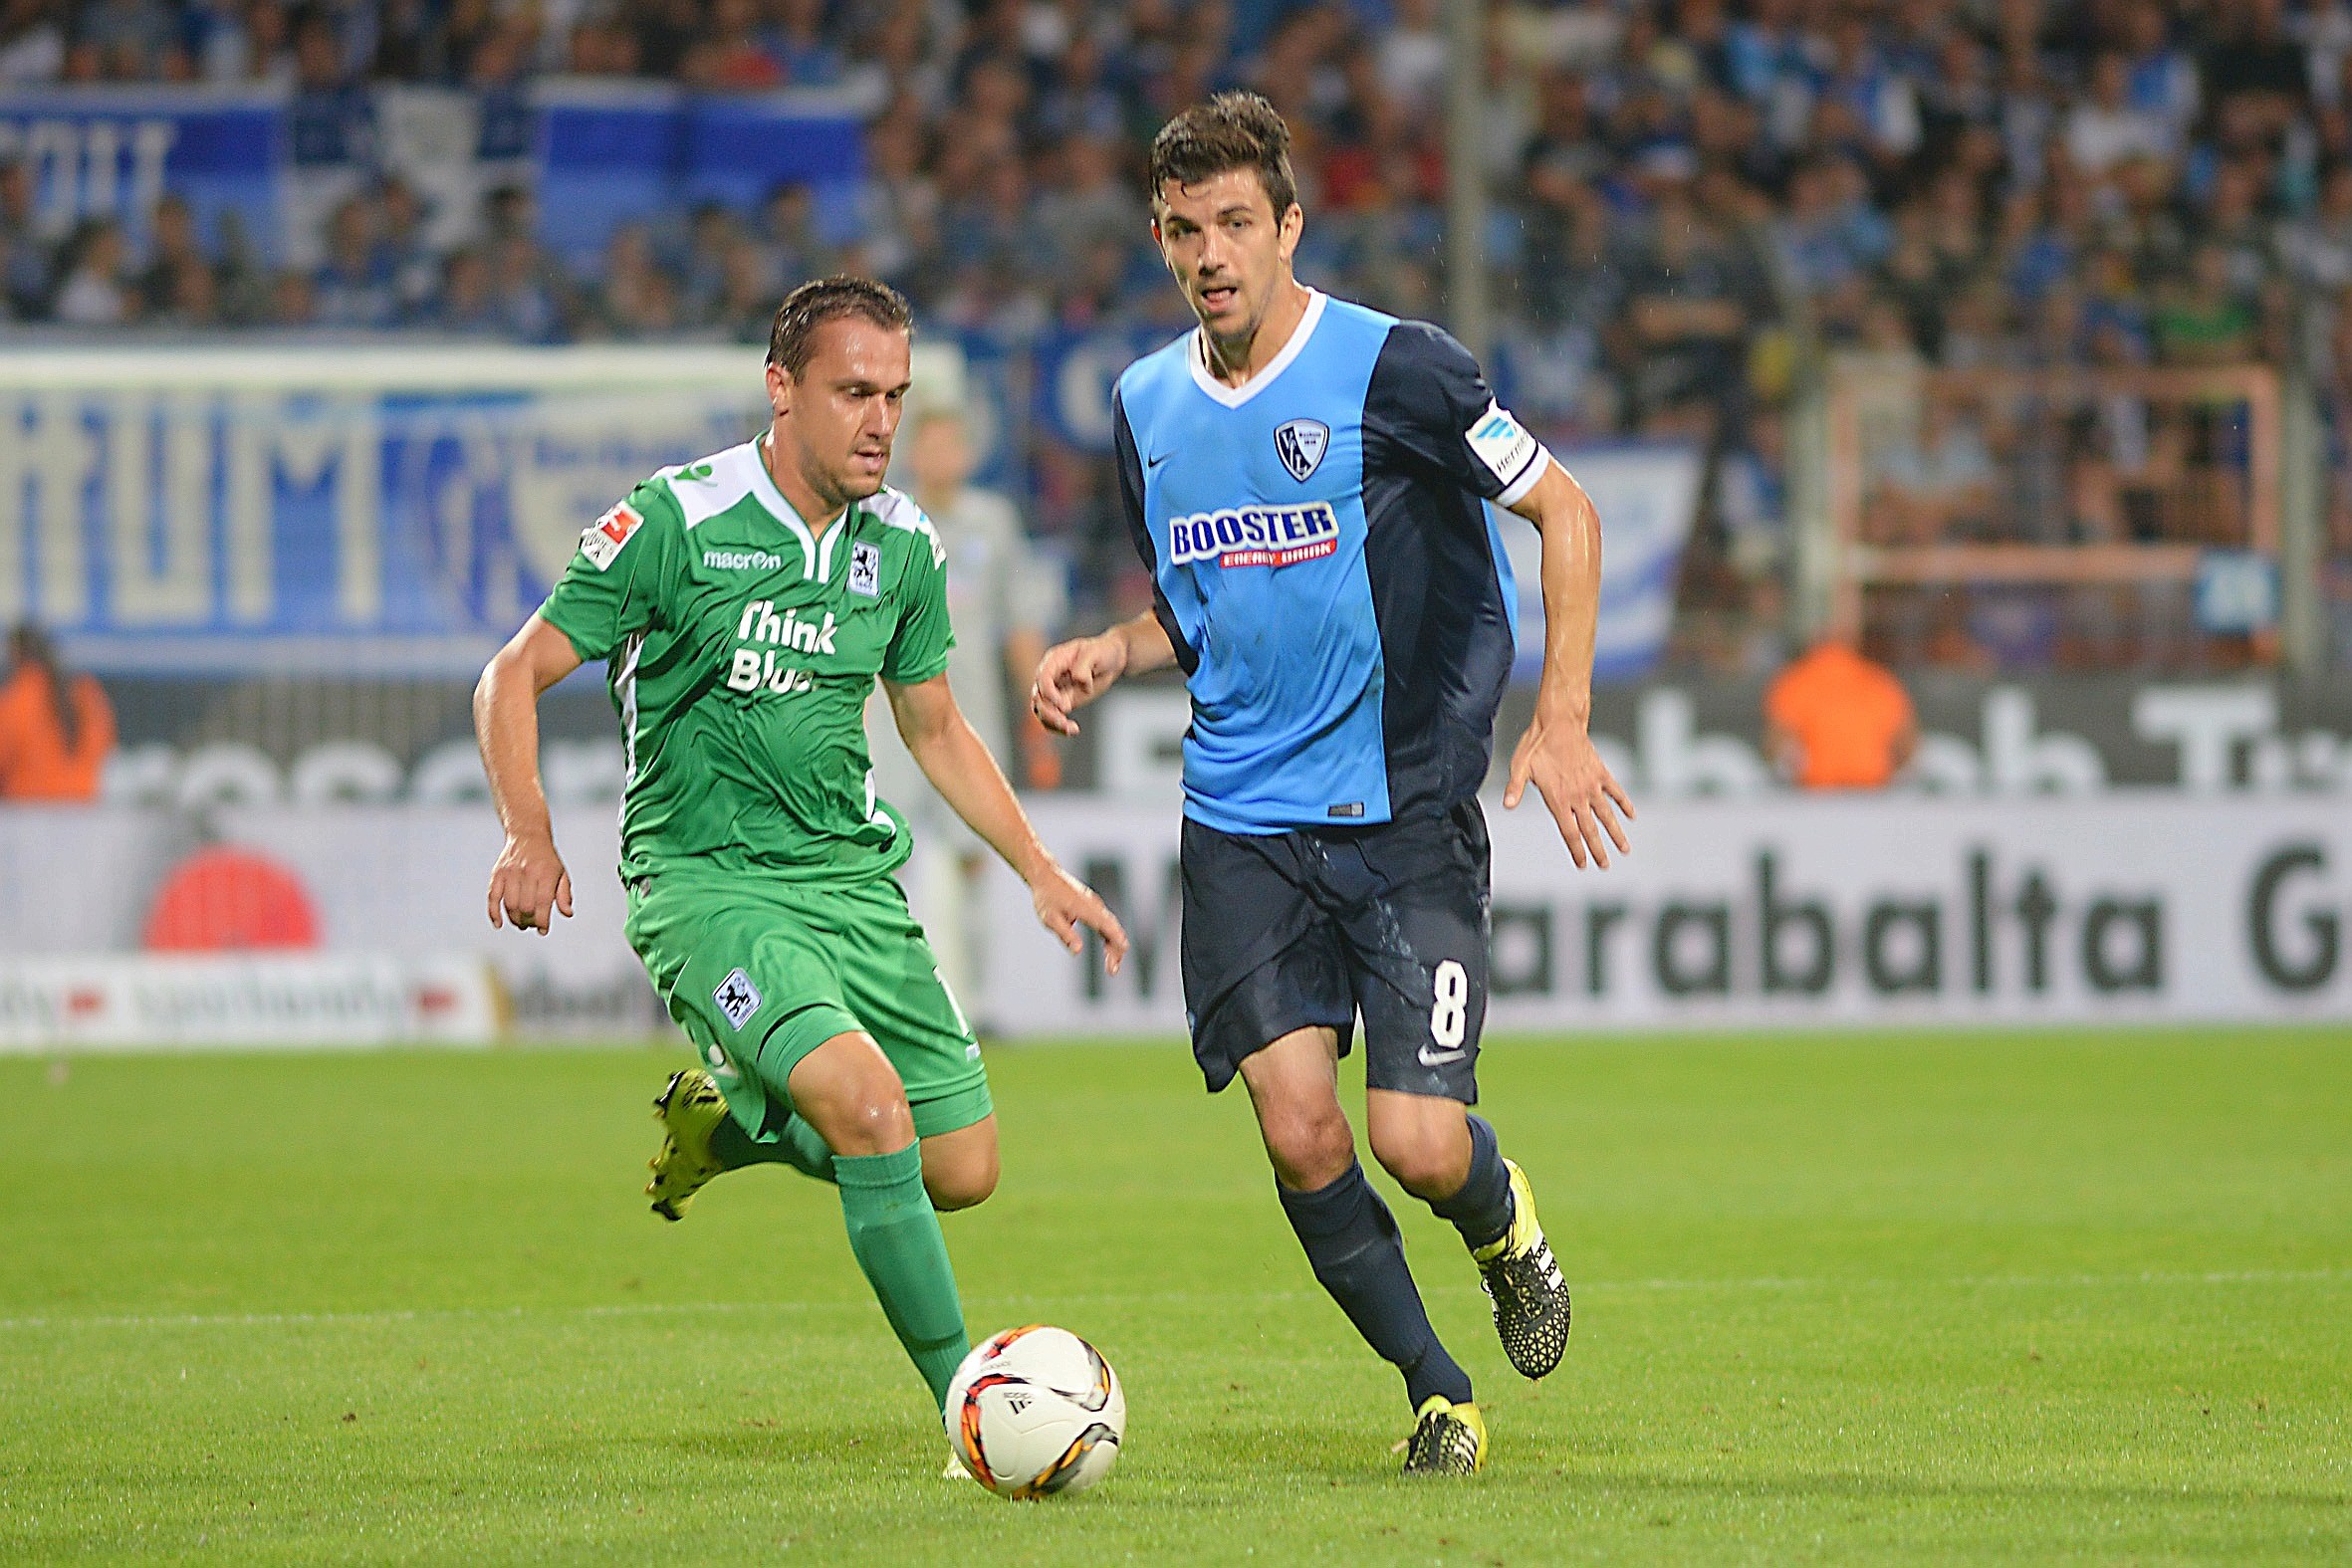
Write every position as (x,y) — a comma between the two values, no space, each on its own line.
(1351,1240)
(1482,1209)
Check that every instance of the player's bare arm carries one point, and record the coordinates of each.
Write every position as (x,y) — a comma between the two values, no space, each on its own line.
(529,886)
(1074,673)
(1556,754)
(957,761)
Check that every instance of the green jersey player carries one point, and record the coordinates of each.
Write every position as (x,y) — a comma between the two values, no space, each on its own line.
(744,606)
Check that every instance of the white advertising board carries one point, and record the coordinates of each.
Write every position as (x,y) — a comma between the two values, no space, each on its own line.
(1794,911)
(149,1001)
(1767,911)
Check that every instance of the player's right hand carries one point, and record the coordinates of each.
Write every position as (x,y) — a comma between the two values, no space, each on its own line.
(1071,675)
(1064,903)
(529,886)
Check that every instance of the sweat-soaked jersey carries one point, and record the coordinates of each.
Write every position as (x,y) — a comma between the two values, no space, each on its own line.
(740,652)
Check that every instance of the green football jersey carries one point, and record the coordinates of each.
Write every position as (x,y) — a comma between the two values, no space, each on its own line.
(740,652)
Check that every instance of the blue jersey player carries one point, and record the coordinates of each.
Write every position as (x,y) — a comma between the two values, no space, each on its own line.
(1313,487)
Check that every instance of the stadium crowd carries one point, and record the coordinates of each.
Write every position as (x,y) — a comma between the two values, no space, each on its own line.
(1685,194)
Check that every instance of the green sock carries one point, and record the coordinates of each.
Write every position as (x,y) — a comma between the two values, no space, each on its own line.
(796,1145)
(897,1241)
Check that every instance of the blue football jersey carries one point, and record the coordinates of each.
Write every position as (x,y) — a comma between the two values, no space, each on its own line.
(1323,550)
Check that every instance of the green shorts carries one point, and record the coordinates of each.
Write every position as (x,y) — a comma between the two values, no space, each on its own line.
(759,972)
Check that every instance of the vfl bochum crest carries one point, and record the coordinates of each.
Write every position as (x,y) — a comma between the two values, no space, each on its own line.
(1300,443)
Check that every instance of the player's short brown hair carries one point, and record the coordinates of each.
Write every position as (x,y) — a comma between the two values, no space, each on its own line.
(793,336)
(1233,131)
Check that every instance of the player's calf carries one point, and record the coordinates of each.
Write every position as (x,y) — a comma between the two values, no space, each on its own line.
(1494,1210)
(960,1167)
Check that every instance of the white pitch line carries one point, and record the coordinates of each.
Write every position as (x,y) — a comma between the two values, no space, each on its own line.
(2246,1277)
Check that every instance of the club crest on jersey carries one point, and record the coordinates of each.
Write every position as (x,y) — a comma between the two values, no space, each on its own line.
(600,542)
(1301,444)
(1254,535)
(737,998)
(865,569)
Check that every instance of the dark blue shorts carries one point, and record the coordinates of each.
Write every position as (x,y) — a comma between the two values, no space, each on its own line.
(1282,931)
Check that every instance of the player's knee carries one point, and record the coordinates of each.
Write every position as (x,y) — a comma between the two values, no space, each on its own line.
(1422,1163)
(875,1120)
(1311,1147)
(964,1186)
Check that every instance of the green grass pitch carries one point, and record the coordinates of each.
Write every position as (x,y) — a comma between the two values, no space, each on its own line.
(2019,1298)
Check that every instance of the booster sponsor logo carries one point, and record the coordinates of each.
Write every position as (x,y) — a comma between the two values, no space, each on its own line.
(1254,535)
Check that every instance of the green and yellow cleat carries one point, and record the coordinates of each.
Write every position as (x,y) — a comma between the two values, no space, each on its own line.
(689,1107)
(1519,1276)
(1448,1439)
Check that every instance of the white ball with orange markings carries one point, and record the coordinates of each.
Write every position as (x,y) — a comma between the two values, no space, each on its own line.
(1036,1411)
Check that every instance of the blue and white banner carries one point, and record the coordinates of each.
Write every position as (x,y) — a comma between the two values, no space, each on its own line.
(612,152)
(386,512)
(599,152)
(1647,494)
(1074,375)
(111,152)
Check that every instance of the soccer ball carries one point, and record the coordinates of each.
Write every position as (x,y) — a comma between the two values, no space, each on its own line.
(1036,1411)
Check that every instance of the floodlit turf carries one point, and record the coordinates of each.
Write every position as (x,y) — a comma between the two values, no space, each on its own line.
(2021,1298)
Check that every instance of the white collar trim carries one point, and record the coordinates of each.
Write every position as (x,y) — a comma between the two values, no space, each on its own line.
(763,486)
(1235,396)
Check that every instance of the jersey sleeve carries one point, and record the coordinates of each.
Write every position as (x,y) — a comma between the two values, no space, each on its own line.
(920,648)
(614,585)
(1429,406)
(1130,464)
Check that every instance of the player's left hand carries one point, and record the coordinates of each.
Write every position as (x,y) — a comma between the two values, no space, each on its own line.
(1064,903)
(1556,756)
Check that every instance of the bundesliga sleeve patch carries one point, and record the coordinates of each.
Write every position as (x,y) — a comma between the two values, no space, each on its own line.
(1500,443)
(600,542)
(737,998)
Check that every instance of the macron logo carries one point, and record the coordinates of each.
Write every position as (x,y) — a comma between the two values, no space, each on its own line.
(1254,535)
(742,560)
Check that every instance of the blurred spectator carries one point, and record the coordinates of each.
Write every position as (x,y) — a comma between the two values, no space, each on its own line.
(57,728)
(1006,597)
(355,287)
(24,259)
(788,248)
(1694,296)
(731,56)
(293,302)
(1837,720)
(32,42)
(464,304)
(637,297)
(129,39)
(93,288)
(2109,127)
(403,252)
(1935,484)
(2199,320)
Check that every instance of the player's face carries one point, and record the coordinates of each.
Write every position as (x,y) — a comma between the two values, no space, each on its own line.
(1228,248)
(842,412)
